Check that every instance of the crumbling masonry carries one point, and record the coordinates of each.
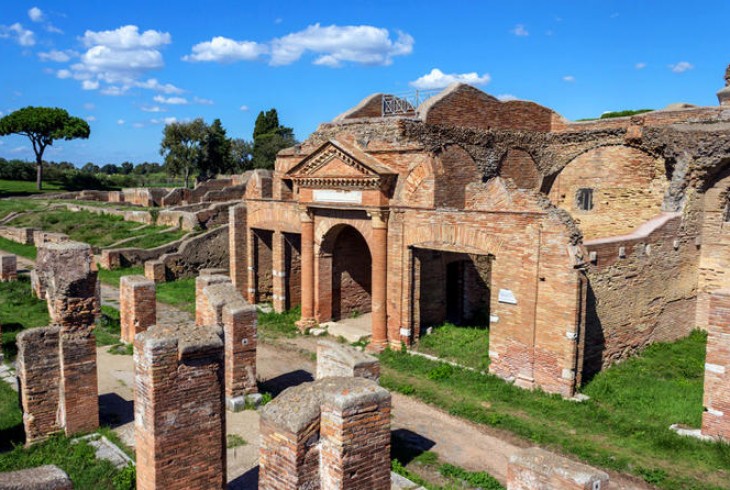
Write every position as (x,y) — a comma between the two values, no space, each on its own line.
(137,306)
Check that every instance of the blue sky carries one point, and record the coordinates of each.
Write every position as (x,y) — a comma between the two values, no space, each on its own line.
(129,66)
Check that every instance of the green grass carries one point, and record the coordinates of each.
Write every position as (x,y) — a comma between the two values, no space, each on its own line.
(234,440)
(423,468)
(154,240)
(27,251)
(98,230)
(19,310)
(16,205)
(624,426)
(26,188)
(180,294)
(273,325)
(467,346)
(111,277)
(108,327)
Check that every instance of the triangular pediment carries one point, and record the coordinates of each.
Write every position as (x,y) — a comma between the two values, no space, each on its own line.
(334,160)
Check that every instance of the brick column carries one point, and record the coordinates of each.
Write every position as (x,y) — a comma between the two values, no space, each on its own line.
(278,272)
(307,319)
(203,316)
(716,417)
(8,268)
(239,335)
(154,270)
(179,409)
(379,255)
(137,306)
(250,292)
(237,247)
(79,397)
(537,469)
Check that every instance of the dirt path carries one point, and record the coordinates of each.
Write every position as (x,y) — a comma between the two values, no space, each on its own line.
(415,424)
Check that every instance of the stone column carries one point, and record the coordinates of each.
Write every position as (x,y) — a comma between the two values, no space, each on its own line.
(137,306)
(237,247)
(179,414)
(8,268)
(278,272)
(379,255)
(307,319)
(716,418)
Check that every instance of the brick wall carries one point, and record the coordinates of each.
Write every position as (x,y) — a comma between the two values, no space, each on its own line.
(335,359)
(205,314)
(263,264)
(154,270)
(350,420)
(19,235)
(716,417)
(519,166)
(8,267)
(237,246)
(137,305)
(537,469)
(351,275)
(179,408)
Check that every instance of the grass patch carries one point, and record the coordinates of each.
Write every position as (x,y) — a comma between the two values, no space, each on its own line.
(10,188)
(8,206)
(425,469)
(273,325)
(108,332)
(467,346)
(624,426)
(21,249)
(234,440)
(19,310)
(111,277)
(180,294)
(155,239)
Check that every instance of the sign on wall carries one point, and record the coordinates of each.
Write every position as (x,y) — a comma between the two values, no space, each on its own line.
(331,195)
(507,296)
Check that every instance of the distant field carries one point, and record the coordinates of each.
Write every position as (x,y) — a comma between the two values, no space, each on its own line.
(26,188)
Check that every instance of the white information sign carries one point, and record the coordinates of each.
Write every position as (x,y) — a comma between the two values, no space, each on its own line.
(331,195)
(507,296)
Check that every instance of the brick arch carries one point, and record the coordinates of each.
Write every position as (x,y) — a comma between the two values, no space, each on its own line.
(418,186)
(519,166)
(456,169)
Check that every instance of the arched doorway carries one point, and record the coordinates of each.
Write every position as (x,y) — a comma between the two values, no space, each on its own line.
(345,274)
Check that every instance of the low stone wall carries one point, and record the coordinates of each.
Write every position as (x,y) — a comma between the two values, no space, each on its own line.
(8,267)
(18,235)
(136,216)
(537,469)
(47,477)
(196,215)
(335,359)
(145,196)
(206,251)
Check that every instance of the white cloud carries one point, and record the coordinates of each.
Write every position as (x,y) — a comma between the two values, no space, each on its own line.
(332,46)
(225,50)
(18,33)
(520,31)
(57,56)
(569,78)
(19,149)
(126,38)
(154,108)
(202,101)
(89,106)
(64,74)
(640,65)
(53,29)
(120,122)
(113,90)
(170,100)
(138,125)
(681,67)
(438,79)
(244,108)
(35,14)
(167,120)
(165,88)
(90,84)
(506,97)
(91,118)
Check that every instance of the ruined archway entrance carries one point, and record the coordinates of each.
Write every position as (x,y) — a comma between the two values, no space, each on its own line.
(345,274)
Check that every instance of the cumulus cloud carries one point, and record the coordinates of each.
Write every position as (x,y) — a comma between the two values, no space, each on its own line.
(331,45)
(640,65)
(506,97)
(35,14)
(569,78)
(18,33)
(91,118)
(170,100)
(89,106)
(520,31)
(437,79)
(681,67)
(125,38)
(244,108)
(120,122)
(166,120)
(138,125)
(225,50)
(154,108)
(202,101)
(90,85)
(57,56)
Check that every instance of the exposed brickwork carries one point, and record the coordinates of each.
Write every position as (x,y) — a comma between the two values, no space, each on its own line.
(137,305)
(179,408)
(537,469)
(154,270)
(203,313)
(350,419)
(716,417)
(79,396)
(335,359)
(237,247)
(8,267)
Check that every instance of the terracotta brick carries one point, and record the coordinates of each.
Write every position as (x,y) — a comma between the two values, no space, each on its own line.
(8,268)
(137,305)
(716,417)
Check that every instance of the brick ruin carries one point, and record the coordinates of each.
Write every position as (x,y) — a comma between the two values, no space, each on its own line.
(220,304)
(137,306)
(576,243)
(716,417)
(336,360)
(179,411)
(537,469)
(56,365)
(8,267)
(331,433)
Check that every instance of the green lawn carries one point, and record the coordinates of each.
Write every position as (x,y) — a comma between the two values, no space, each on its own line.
(19,310)
(27,251)
(112,277)
(97,230)
(154,240)
(10,188)
(180,293)
(467,346)
(273,325)
(14,205)
(624,426)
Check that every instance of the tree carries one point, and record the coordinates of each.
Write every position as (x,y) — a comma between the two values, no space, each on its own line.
(216,154)
(127,168)
(241,155)
(269,137)
(182,146)
(43,125)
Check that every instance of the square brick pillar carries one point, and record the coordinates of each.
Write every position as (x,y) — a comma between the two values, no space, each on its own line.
(307,320)
(137,306)
(716,417)
(39,375)
(239,337)
(278,272)
(79,392)
(537,469)
(250,293)
(179,414)
(154,270)
(202,308)
(237,232)
(8,268)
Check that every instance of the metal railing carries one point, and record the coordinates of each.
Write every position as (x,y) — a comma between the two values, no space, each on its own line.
(405,103)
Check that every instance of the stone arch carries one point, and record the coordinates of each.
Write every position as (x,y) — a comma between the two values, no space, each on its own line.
(457,169)
(610,189)
(519,166)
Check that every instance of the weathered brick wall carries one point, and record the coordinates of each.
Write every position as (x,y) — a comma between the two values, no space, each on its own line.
(137,305)
(263,264)
(179,408)
(716,417)
(292,269)
(350,419)
(8,267)
(370,106)
(658,265)
(147,197)
(205,313)
(456,170)
(19,235)
(628,189)
(237,246)
(518,166)
(79,396)
(335,359)
(537,469)
(154,270)
(351,275)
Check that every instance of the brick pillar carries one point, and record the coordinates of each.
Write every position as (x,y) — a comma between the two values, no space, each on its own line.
(239,337)
(279,272)
(179,409)
(379,255)
(79,397)
(237,247)
(8,268)
(39,374)
(154,270)
(137,306)
(537,469)
(307,319)
(202,308)
(250,292)
(716,417)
